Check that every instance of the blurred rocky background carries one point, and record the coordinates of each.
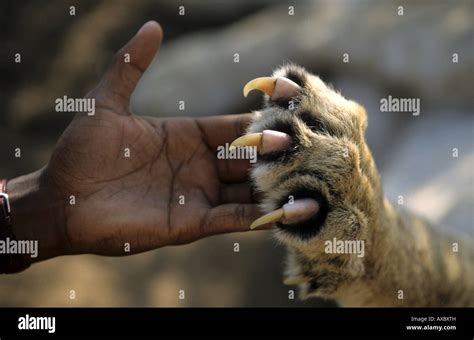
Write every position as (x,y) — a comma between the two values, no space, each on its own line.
(427,159)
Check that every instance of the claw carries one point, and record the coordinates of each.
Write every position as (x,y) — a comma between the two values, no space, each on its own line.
(266,141)
(264,84)
(251,139)
(271,217)
(276,88)
(299,210)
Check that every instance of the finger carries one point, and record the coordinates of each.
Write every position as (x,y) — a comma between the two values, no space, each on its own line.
(218,130)
(237,193)
(233,170)
(228,218)
(127,67)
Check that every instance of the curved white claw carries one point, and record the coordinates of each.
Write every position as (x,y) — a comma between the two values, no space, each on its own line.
(275,87)
(299,210)
(266,141)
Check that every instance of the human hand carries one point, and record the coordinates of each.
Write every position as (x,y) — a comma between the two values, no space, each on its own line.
(138,181)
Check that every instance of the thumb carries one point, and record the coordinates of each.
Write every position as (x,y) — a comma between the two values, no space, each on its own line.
(127,67)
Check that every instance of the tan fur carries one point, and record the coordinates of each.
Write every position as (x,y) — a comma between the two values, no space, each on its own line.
(403,253)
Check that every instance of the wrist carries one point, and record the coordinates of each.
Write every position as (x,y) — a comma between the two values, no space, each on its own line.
(37,215)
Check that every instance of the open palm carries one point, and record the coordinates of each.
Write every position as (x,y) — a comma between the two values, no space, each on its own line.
(134,183)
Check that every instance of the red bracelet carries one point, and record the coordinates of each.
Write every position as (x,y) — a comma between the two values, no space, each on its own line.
(9,263)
